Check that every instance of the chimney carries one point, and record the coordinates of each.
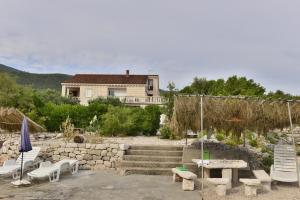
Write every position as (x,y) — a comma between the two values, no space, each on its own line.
(127,73)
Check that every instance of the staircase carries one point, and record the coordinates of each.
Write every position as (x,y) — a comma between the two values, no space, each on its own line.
(150,160)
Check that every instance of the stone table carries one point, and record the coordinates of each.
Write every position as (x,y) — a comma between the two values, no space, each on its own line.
(229,169)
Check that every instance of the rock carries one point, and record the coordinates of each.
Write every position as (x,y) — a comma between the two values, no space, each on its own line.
(79,157)
(107,163)
(103,153)
(95,152)
(121,153)
(56,157)
(96,157)
(60,150)
(87,145)
(82,162)
(81,145)
(101,146)
(114,146)
(87,157)
(99,161)
(72,155)
(114,151)
(91,162)
(68,150)
(72,145)
(106,158)
(59,135)
(124,147)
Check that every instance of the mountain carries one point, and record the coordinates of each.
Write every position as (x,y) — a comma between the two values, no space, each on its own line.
(37,81)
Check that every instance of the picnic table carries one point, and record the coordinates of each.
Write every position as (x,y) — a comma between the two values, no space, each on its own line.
(229,168)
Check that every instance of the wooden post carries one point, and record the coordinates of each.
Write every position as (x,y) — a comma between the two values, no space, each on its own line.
(202,148)
(293,139)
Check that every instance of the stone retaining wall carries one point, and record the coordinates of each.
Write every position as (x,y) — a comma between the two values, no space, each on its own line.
(90,156)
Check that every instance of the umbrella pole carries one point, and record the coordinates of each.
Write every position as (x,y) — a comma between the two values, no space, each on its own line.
(21,175)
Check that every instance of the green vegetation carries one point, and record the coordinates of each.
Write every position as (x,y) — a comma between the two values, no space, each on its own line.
(105,116)
(233,86)
(165,132)
(37,81)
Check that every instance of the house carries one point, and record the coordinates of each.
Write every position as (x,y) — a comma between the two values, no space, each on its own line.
(129,88)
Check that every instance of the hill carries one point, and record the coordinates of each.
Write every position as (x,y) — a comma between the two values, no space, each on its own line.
(37,81)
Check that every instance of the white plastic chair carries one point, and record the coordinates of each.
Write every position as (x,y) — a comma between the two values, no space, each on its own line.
(53,171)
(13,167)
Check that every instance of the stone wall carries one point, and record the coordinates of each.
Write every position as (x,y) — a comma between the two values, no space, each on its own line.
(90,156)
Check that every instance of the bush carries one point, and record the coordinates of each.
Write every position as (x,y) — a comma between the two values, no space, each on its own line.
(121,121)
(130,121)
(151,120)
(109,101)
(165,132)
(220,136)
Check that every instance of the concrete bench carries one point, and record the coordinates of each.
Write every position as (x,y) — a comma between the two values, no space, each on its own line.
(186,177)
(251,186)
(221,185)
(264,178)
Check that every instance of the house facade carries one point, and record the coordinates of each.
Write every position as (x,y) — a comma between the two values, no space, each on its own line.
(129,88)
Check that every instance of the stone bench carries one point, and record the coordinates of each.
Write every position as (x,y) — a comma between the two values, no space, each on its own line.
(221,185)
(264,178)
(251,186)
(186,177)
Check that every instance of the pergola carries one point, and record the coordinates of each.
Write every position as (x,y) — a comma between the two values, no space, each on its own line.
(233,114)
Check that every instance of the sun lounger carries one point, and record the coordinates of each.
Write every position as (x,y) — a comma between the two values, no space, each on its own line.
(13,167)
(284,168)
(53,171)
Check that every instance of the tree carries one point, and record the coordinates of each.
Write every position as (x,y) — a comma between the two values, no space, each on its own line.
(232,86)
(170,97)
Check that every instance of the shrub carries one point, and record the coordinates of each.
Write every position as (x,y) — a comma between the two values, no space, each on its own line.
(253,143)
(220,136)
(165,132)
(151,120)
(109,100)
(121,121)
(68,129)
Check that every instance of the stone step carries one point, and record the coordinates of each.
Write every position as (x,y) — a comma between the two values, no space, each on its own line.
(148,164)
(153,152)
(152,158)
(156,147)
(145,171)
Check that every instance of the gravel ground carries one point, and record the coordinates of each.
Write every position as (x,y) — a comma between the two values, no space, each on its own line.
(107,185)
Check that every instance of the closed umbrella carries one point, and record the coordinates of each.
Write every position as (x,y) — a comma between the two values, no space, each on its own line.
(25,146)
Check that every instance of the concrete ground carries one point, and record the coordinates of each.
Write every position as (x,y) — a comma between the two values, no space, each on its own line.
(106,185)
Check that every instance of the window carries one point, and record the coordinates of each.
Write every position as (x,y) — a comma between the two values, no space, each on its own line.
(88,93)
(150,84)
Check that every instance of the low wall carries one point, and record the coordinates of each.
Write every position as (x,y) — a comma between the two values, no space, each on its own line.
(90,156)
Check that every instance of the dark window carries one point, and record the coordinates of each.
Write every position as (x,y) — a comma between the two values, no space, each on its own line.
(150,84)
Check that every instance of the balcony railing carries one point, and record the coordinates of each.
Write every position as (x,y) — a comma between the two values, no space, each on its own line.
(143,100)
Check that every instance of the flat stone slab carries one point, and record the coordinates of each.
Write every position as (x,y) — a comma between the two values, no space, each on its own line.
(222,164)
(262,175)
(250,182)
(218,181)
(184,174)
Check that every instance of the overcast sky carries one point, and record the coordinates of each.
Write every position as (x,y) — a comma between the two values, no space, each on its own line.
(176,39)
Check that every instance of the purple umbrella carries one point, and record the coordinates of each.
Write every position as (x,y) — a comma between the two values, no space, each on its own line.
(25,142)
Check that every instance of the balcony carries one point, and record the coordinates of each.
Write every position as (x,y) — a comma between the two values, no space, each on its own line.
(149,100)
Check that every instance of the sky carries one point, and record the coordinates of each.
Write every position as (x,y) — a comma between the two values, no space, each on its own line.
(176,39)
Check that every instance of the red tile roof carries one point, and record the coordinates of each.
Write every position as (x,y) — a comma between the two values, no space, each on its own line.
(108,79)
